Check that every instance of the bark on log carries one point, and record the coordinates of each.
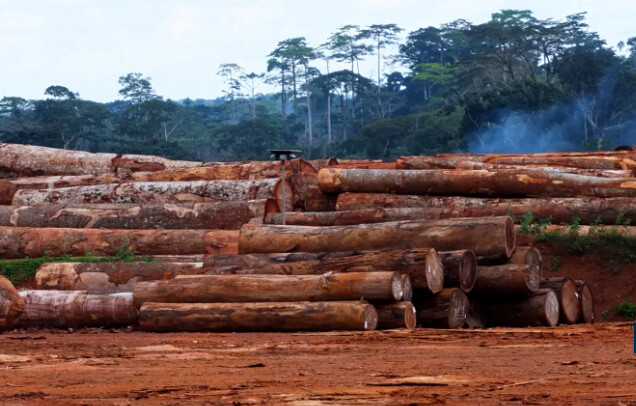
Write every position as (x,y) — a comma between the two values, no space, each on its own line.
(493,236)
(396,315)
(238,317)
(603,173)
(567,293)
(502,182)
(30,160)
(583,162)
(108,276)
(427,162)
(11,304)
(365,165)
(507,279)
(448,309)
(562,210)
(587,301)
(272,288)
(73,309)
(36,242)
(211,216)
(460,269)
(307,194)
(421,264)
(540,309)
(154,192)
(350,217)
(323,163)
(522,256)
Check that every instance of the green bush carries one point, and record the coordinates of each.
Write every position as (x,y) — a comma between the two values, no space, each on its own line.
(627,310)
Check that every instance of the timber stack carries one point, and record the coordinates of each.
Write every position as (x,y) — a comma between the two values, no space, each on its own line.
(426,241)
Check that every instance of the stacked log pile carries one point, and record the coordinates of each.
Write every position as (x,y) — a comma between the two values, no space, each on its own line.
(367,244)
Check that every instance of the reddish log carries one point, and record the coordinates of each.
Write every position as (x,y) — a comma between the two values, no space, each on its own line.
(271,288)
(493,236)
(502,182)
(37,242)
(587,301)
(607,173)
(323,163)
(396,315)
(231,317)
(220,215)
(460,269)
(73,309)
(351,217)
(567,293)
(540,309)
(11,304)
(307,194)
(448,309)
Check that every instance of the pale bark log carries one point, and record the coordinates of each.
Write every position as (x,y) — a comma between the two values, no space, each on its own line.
(36,242)
(396,315)
(503,182)
(493,236)
(11,304)
(271,288)
(460,269)
(540,309)
(73,309)
(239,317)
(212,216)
(448,309)
(567,292)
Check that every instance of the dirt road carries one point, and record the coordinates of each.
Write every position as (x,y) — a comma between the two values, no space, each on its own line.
(565,365)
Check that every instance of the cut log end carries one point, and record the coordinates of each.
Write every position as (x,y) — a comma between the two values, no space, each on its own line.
(396,315)
(397,286)
(570,305)
(551,308)
(407,288)
(458,311)
(533,277)
(468,271)
(510,236)
(434,272)
(587,302)
(370,318)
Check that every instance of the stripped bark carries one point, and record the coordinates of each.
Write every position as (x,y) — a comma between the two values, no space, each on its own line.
(238,317)
(493,236)
(219,215)
(36,242)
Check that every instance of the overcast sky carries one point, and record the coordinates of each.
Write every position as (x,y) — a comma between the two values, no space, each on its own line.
(86,45)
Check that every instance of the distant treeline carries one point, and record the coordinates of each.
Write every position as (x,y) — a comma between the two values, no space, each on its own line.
(514,83)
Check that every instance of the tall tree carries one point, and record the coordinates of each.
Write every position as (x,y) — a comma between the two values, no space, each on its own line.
(382,35)
(136,88)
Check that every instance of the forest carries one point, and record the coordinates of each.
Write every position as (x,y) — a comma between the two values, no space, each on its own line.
(512,84)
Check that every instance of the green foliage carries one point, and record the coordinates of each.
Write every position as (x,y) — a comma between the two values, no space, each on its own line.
(556,263)
(627,310)
(528,225)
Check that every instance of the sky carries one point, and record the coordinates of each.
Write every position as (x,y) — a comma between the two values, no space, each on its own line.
(86,45)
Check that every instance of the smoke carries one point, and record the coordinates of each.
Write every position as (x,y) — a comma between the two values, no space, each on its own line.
(587,123)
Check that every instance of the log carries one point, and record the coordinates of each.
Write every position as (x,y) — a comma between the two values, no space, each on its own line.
(154,192)
(604,173)
(540,309)
(36,242)
(307,194)
(561,210)
(350,217)
(396,315)
(507,279)
(11,304)
(212,216)
(108,276)
(74,309)
(583,162)
(31,160)
(567,293)
(323,162)
(527,256)
(271,288)
(365,165)
(501,182)
(239,317)
(448,309)
(427,162)
(421,264)
(587,302)
(460,269)
(493,236)
(476,317)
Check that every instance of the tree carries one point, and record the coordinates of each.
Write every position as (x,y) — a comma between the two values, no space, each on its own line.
(136,88)
(251,82)
(292,53)
(231,73)
(279,63)
(60,92)
(382,34)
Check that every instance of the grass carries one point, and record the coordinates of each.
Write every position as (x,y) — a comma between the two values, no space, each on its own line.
(627,310)
(20,270)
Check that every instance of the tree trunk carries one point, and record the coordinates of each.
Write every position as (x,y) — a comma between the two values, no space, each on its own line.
(603,173)
(219,215)
(396,315)
(31,160)
(587,302)
(37,242)
(448,309)
(561,210)
(108,276)
(460,269)
(239,317)
(52,308)
(11,304)
(422,265)
(155,192)
(271,288)
(540,309)
(502,182)
(567,293)
(485,236)
(507,280)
